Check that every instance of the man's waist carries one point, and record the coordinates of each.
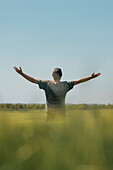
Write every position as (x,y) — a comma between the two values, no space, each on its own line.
(55,109)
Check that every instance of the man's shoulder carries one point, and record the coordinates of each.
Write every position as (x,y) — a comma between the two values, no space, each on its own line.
(43,84)
(43,81)
(67,82)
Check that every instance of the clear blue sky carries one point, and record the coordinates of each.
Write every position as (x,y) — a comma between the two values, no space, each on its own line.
(75,35)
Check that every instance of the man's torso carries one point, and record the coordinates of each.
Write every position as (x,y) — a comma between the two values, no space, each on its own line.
(55,94)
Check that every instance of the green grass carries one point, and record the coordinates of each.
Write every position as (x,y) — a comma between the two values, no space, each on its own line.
(83,141)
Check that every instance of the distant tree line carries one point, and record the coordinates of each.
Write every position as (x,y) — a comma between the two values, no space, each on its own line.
(89,107)
(20,106)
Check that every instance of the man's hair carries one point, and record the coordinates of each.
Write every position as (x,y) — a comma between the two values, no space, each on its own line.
(57,73)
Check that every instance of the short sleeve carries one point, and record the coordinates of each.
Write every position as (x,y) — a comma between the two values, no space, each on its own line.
(70,85)
(42,84)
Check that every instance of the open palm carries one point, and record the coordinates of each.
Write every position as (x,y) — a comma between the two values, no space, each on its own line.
(18,70)
(93,75)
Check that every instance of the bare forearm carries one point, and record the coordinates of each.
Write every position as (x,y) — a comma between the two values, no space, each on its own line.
(29,78)
(82,80)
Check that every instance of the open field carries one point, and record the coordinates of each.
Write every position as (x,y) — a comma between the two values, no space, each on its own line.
(83,141)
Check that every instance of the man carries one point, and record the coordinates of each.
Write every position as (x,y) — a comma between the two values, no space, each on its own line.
(55,90)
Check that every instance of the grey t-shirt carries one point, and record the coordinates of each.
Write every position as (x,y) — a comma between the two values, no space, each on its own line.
(55,94)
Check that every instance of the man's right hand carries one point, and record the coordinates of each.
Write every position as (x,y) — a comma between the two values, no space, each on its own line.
(18,70)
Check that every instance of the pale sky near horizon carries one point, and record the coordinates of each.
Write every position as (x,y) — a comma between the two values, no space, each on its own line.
(76,36)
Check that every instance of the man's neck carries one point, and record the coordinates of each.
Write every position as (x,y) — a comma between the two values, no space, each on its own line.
(56,81)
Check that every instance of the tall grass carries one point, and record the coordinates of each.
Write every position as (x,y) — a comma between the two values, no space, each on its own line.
(83,141)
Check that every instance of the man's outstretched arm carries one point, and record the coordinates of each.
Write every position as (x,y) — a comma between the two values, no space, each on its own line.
(82,80)
(31,79)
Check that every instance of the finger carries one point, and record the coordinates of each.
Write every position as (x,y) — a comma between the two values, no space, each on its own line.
(16,69)
(93,74)
(98,74)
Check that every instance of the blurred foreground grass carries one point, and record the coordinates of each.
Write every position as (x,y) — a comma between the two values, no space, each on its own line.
(83,141)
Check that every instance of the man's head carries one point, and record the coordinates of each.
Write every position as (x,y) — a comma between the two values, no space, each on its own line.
(57,73)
